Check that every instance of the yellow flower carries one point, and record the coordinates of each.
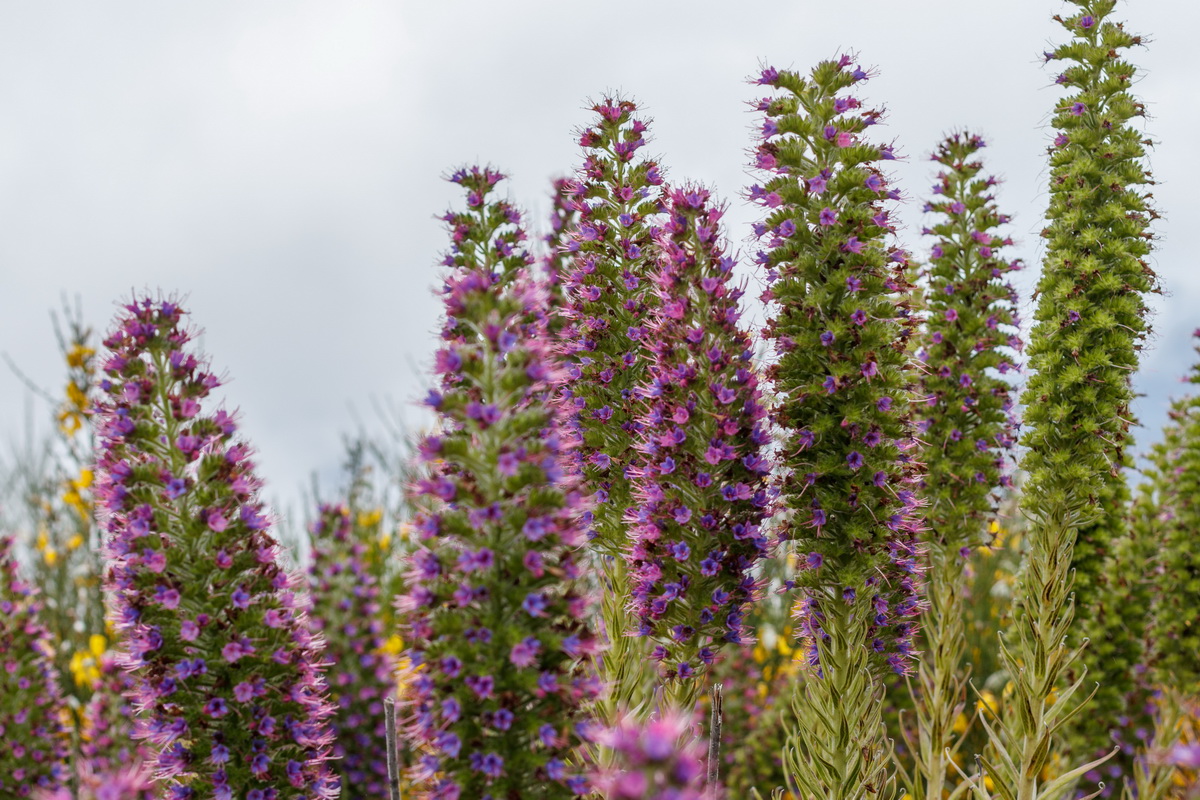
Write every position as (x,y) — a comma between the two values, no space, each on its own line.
(76,396)
(43,540)
(393,645)
(78,355)
(960,723)
(987,700)
(51,556)
(69,422)
(760,653)
(785,648)
(385,541)
(98,644)
(75,542)
(85,670)
(84,480)
(369,519)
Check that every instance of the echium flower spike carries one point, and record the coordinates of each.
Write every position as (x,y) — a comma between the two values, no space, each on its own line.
(345,612)
(617,197)
(1174,637)
(32,739)
(228,679)
(659,759)
(1090,324)
(840,321)
(966,425)
(1095,276)
(494,611)
(700,489)
(554,261)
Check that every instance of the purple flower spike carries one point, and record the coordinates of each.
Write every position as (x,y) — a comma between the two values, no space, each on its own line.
(176,564)
(697,529)
(494,617)
(344,583)
(33,749)
(971,324)
(606,281)
(841,366)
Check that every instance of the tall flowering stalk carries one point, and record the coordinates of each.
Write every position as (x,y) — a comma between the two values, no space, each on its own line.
(33,743)
(1165,521)
(495,618)
(1083,350)
(1174,636)
(700,487)
(840,323)
(967,429)
(617,197)
(345,612)
(227,675)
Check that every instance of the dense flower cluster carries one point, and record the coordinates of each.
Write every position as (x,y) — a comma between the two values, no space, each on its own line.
(967,425)
(563,215)
(656,760)
(840,323)
(700,490)
(227,673)
(617,199)
(345,612)
(970,338)
(495,619)
(1090,325)
(32,740)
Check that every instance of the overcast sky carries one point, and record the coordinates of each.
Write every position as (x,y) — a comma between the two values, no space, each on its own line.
(281,163)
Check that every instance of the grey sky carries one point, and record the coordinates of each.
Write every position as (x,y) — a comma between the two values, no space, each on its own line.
(280,163)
